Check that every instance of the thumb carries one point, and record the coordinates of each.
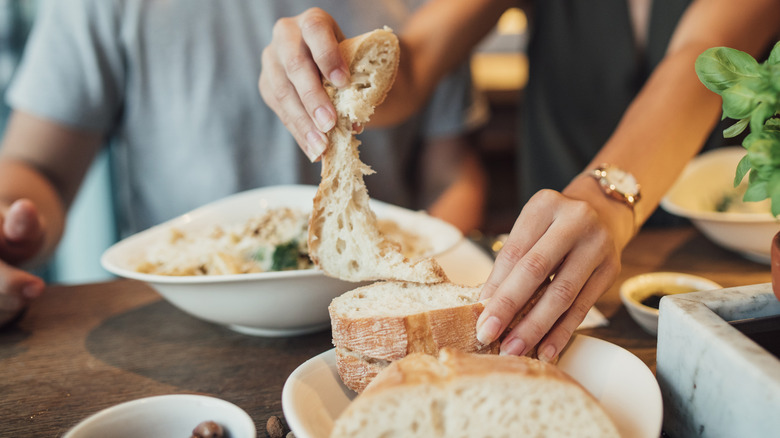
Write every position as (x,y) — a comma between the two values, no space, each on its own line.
(21,231)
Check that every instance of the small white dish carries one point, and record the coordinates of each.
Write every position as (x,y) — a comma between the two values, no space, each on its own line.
(314,396)
(165,416)
(283,303)
(654,285)
(702,185)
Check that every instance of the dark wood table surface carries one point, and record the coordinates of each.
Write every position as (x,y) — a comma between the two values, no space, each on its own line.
(79,349)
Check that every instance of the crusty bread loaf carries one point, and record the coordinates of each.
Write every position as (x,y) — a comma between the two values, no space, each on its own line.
(385,321)
(472,396)
(343,237)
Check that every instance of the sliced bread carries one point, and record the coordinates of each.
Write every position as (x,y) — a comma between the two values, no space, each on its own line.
(472,396)
(385,321)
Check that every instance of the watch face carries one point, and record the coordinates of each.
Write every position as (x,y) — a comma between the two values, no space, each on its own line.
(623,181)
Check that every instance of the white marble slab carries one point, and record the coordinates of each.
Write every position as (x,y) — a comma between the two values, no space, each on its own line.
(715,381)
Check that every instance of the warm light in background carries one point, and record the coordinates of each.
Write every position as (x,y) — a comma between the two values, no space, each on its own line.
(512,22)
(499,66)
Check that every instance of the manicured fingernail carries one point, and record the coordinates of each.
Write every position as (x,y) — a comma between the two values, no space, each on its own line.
(339,78)
(31,291)
(487,332)
(514,347)
(547,353)
(317,142)
(325,120)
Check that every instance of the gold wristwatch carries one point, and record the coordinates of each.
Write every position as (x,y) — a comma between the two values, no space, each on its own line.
(618,184)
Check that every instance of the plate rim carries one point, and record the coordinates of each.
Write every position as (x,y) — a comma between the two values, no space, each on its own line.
(294,419)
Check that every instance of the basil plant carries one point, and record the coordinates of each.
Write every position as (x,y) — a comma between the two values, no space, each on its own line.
(751,95)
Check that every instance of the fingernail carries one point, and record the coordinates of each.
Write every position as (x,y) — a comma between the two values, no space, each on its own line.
(325,119)
(31,291)
(317,144)
(547,353)
(514,347)
(339,78)
(487,332)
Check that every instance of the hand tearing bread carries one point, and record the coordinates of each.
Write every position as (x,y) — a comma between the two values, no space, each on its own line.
(473,395)
(383,322)
(344,241)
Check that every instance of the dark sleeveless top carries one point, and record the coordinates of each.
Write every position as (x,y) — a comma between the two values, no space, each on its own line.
(585,69)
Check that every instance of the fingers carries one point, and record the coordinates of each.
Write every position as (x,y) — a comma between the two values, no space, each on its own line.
(322,35)
(566,294)
(303,50)
(553,234)
(21,232)
(19,283)
(531,224)
(557,338)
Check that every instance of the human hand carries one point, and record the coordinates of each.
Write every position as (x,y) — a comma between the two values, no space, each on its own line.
(303,49)
(21,237)
(554,234)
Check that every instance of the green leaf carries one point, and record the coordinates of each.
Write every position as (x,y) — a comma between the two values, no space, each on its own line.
(774,56)
(720,68)
(736,129)
(760,152)
(285,256)
(774,77)
(742,169)
(738,101)
(774,193)
(761,113)
(756,191)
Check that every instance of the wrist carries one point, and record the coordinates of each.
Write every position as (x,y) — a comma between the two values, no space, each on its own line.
(618,216)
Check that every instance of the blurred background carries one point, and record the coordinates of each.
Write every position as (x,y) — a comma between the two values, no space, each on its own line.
(499,69)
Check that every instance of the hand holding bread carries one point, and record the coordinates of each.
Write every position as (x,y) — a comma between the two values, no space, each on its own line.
(344,240)
(387,334)
(556,234)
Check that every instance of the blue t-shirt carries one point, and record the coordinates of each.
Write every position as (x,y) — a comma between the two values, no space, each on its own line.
(173,85)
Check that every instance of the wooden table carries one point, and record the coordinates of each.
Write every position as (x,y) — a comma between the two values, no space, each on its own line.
(82,348)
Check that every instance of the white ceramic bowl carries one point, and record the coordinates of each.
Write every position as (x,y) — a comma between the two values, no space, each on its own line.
(638,288)
(282,303)
(165,416)
(704,182)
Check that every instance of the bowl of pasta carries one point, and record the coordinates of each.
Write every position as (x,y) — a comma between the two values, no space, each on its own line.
(705,194)
(242,261)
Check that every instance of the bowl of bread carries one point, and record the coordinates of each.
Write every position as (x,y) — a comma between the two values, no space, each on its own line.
(407,361)
(705,194)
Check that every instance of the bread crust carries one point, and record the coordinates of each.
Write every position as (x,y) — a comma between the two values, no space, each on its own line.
(372,342)
(394,337)
(354,49)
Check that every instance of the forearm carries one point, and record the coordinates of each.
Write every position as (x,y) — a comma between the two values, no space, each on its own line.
(439,36)
(670,119)
(463,203)
(45,162)
(453,182)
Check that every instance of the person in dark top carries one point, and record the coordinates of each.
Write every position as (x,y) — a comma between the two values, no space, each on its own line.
(614,112)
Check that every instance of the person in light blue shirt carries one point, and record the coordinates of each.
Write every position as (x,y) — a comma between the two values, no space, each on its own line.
(170,87)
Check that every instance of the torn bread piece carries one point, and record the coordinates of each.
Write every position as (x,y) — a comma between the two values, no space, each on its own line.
(344,240)
(382,322)
(473,395)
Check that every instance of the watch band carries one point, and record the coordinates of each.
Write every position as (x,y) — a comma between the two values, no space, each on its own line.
(619,185)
